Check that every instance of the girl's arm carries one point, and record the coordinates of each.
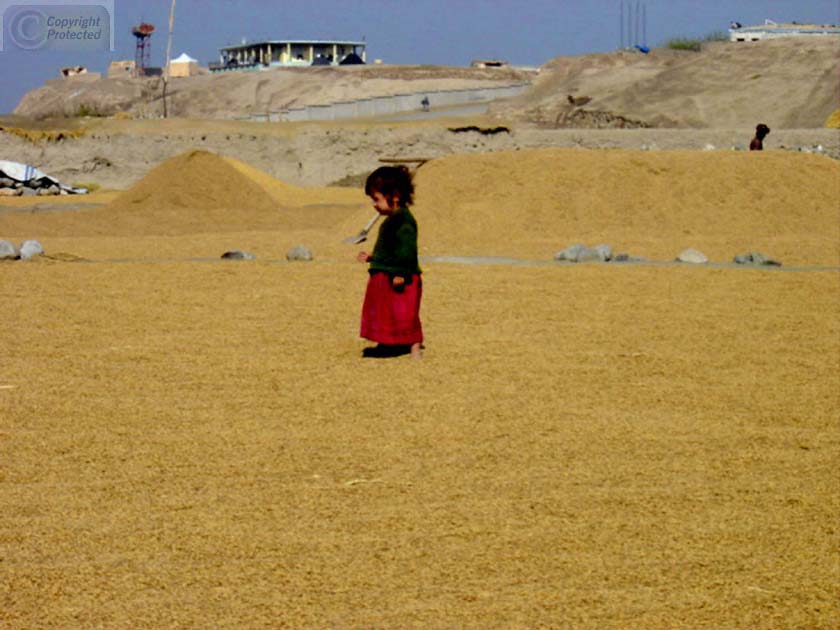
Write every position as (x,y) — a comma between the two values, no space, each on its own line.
(405,253)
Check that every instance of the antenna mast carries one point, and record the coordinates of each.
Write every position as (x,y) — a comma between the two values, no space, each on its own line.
(143,48)
(168,53)
(621,22)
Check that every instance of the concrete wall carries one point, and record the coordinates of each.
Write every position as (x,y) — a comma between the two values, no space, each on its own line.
(389,105)
(754,34)
(124,68)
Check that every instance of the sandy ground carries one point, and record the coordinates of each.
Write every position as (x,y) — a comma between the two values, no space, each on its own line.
(187,442)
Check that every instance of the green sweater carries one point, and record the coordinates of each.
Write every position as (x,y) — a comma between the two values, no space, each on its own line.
(395,251)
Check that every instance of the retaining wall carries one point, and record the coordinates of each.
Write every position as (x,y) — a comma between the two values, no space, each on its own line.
(388,105)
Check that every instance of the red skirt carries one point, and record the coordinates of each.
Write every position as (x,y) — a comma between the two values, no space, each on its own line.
(390,317)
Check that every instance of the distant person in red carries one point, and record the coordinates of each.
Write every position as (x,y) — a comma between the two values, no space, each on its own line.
(761,132)
(391,309)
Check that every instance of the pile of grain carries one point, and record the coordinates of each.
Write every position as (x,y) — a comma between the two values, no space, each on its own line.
(647,203)
(525,204)
(199,192)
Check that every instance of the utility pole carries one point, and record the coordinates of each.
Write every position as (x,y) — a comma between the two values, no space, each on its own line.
(636,40)
(621,23)
(168,53)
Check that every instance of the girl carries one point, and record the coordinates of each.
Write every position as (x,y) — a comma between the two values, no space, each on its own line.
(391,310)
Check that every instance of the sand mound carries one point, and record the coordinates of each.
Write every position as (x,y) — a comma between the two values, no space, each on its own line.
(651,204)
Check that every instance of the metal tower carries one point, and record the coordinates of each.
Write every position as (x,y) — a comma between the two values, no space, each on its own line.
(143,49)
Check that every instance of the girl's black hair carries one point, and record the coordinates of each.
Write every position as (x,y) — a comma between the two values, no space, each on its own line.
(391,181)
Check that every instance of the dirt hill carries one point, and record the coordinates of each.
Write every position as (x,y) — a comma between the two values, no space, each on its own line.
(786,83)
(233,94)
(789,83)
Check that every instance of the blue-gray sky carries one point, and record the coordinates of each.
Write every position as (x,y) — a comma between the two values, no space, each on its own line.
(442,32)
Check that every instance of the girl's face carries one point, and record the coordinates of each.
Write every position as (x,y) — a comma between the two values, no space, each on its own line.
(382,204)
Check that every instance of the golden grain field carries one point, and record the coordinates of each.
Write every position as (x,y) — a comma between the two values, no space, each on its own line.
(192,443)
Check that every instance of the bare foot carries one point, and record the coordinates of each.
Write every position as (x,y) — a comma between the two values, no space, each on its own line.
(416,351)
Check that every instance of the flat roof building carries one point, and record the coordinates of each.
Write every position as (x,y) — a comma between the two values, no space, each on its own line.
(288,53)
(772,30)
(488,63)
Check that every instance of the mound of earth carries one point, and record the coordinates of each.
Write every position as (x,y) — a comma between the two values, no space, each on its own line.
(787,83)
(650,204)
(234,94)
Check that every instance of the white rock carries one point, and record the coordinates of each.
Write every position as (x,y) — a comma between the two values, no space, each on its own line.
(8,251)
(299,252)
(30,249)
(693,256)
(571,253)
(605,252)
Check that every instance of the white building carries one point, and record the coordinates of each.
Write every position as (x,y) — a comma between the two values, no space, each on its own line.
(289,53)
(772,30)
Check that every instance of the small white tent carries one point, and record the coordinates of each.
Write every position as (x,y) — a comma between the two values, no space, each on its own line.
(183,66)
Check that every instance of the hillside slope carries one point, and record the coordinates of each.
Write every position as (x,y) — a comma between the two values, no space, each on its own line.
(786,83)
(233,94)
(790,83)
